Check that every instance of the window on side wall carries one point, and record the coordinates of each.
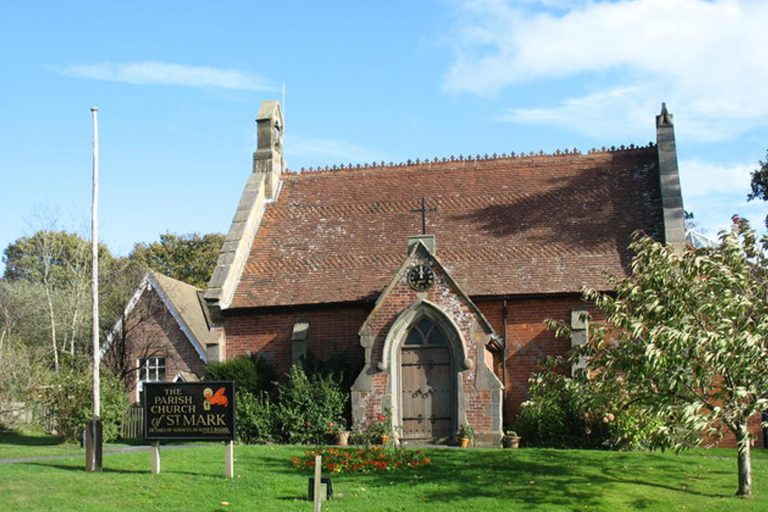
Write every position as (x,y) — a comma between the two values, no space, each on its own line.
(151,369)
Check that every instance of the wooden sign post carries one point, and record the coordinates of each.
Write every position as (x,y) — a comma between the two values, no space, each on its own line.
(155,457)
(229,460)
(202,411)
(318,471)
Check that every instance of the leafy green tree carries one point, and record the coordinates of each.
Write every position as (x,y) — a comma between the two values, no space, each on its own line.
(45,295)
(57,263)
(759,183)
(686,340)
(47,256)
(190,258)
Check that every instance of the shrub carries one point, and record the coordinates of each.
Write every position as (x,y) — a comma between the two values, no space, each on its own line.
(336,364)
(565,412)
(255,418)
(306,404)
(556,414)
(67,399)
(250,373)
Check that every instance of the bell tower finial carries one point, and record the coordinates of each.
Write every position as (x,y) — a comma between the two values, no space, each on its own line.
(664,118)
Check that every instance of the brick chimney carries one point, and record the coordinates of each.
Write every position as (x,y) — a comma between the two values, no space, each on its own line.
(671,197)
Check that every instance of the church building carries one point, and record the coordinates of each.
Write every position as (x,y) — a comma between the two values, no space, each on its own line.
(433,278)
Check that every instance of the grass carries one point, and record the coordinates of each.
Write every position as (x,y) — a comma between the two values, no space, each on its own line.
(31,443)
(475,479)
(15,444)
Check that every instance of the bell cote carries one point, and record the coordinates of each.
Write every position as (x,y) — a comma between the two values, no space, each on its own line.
(268,158)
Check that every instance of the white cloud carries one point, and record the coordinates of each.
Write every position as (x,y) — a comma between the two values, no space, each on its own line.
(606,114)
(705,58)
(702,179)
(715,192)
(165,73)
(313,150)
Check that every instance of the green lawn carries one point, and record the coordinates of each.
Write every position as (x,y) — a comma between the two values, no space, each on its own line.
(32,444)
(19,444)
(474,479)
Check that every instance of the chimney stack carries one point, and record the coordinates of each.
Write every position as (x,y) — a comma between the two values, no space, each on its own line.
(671,197)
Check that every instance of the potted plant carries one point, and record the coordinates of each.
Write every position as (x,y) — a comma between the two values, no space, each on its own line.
(510,439)
(380,428)
(465,434)
(339,433)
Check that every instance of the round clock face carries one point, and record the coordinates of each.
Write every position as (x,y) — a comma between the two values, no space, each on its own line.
(421,277)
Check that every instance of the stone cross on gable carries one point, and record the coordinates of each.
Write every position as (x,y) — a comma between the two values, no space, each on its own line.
(424,210)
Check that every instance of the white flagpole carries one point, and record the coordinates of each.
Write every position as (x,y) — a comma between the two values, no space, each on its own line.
(95,266)
(93,438)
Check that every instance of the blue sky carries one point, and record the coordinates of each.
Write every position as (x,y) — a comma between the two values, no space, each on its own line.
(178,85)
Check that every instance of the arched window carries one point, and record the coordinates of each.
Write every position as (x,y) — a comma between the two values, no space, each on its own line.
(426,332)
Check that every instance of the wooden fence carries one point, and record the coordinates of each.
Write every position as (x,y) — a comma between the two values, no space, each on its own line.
(133,423)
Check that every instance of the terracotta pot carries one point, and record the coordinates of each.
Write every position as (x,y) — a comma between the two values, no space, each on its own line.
(510,442)
(464,442)
(342,438)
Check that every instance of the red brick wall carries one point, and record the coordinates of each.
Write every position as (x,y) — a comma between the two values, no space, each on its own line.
(151,331)
(529,341)
(269,334)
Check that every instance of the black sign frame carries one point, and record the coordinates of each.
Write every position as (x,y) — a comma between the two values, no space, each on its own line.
(187,400)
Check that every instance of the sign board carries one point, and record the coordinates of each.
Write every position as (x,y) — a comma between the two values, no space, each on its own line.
(191,410)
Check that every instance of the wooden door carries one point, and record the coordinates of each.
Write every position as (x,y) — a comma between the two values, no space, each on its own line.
(427,385)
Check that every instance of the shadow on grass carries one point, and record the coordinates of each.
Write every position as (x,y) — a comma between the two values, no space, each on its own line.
(565,479)
(112,470)
(81,469)
(21,439)
(663,470)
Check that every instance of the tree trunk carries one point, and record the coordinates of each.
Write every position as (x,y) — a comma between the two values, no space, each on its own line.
(52,316)
(74,333)
(2,341)
(744,461)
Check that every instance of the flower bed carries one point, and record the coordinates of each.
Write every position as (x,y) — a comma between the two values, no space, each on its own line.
(362,460)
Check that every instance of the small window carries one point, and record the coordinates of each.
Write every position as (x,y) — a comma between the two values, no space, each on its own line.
(152,369)
(299,340)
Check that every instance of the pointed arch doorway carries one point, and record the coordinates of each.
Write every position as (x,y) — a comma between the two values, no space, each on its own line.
(428,383)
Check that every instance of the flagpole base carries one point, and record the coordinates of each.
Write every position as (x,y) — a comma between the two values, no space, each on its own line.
(93,446)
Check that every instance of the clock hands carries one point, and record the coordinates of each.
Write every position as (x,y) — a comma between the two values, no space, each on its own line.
(420,277)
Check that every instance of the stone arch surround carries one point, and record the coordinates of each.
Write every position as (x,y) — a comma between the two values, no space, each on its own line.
(478,396)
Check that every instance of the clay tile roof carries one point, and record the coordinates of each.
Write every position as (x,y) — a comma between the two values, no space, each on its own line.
(186,299)
(504,226)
